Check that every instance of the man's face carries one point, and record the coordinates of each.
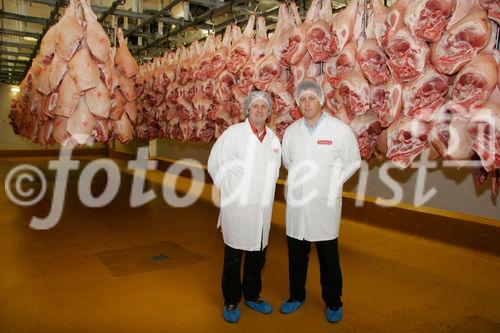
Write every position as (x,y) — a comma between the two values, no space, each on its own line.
(309,105)
(258,112)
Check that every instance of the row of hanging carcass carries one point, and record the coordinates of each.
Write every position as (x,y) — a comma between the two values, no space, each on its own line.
(419,76)
(78,86)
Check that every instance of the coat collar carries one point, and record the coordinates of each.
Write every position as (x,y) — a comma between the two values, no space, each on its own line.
(305,131)
(249,131)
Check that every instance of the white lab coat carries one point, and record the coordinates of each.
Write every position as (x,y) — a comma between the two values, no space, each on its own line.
(245,171)
(333,149)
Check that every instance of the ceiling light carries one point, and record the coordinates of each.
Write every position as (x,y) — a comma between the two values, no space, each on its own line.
(30,39)
(23,58)
(15,89)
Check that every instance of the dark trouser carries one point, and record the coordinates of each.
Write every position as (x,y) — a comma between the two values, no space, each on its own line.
(232,286)
(331,275)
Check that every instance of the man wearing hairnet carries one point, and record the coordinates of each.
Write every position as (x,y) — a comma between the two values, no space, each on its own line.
(321,153)
(244,165)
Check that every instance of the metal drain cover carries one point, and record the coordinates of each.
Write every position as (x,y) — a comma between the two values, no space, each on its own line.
(148,258)
(159,257)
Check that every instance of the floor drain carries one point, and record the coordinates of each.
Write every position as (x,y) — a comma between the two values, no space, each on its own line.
(159,257)
(146,258)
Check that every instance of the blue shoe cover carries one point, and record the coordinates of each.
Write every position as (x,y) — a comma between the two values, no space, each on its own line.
(262,306)
(334,316)
(231,316)
(289,307)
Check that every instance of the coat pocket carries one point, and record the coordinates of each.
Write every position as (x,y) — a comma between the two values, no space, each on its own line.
(331,187)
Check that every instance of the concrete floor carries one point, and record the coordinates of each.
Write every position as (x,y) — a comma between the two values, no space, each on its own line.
(56,280)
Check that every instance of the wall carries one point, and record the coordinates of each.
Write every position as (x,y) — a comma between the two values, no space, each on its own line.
(455,188)
(177,150)
(130,147)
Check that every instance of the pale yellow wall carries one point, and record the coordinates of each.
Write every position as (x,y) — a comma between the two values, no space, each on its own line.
(130,147)
(455,188)
(177,150)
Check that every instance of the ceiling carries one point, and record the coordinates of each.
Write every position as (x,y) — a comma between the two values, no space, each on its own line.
(152,26)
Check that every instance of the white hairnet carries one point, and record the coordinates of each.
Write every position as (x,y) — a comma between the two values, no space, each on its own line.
(309,86)
(254,96)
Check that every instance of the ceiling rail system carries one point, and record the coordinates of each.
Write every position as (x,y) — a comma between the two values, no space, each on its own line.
(212,16)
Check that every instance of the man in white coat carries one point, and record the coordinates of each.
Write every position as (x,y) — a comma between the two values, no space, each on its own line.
(244,165)
(321,153)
